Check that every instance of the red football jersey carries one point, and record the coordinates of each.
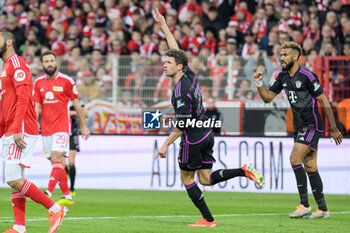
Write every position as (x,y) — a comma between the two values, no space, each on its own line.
(54,96)
(17,90)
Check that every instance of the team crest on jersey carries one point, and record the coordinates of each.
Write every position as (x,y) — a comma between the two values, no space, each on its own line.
(20,75)
(57,88)
(75,90)
(3,74)
(298,84)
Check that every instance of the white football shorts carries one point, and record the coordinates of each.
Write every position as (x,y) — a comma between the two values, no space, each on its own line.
(56,142)
(15,158)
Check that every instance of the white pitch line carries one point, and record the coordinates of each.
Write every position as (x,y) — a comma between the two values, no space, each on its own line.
(7,219)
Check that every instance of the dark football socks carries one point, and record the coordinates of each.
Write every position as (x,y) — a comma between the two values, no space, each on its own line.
(225,174)
(317,190)
(302,184)
(72,173)
(197,198)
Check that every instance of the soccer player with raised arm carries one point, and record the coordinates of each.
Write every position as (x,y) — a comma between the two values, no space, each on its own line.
(52,93)
(18,122)
(196,147)
(304,91)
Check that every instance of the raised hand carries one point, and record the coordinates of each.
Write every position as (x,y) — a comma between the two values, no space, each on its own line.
(160,20)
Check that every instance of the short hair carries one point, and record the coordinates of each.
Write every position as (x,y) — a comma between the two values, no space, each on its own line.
(8,36)
(179,56)
(292,45)
(48,52)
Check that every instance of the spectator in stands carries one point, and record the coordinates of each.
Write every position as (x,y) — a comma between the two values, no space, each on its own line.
(213,113)
(275,59)
(258,62)
(295,14)
(32,37)
(345,25)
(271,16)
(135,42)
(141,85)
(57,45)
(66,12)
(72,61)
(85,46)
(297,35)
(331,20)
(3,21)
(126,99)
(212,19)
(313,32)
(259,25)
(283,37)
(247,48)
(171,19)
(16,30)
(218,68)
(268,42)
(44,15)
(57,21)
(74,34)
(327,36)
(195,39)
(237,76)
(157,64)
(89,89)
(210,39)
(244,91)
(96,59)
(232,46)
(104,81)
(99,38)
(119,48)
(285,20)
(89,28)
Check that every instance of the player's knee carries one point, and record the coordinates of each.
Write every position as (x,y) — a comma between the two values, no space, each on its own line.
(294,160)
(15,184)
(204,180)
(310,168)
(187,180)
(56,157)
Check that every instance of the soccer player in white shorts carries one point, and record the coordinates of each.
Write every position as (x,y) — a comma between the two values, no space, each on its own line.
(52,93)
(18,122)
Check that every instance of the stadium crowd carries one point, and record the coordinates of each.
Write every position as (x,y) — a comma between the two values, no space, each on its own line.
(87,33)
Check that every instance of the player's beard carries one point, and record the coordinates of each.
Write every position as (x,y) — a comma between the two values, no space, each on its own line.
(288,66)
(2,50)
(50,72)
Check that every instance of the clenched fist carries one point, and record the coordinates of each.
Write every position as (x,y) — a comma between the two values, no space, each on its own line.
(258,76)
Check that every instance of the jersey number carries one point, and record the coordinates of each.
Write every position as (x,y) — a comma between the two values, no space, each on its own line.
(14,151)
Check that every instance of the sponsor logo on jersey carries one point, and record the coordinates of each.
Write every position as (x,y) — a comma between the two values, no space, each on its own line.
(316,86)
(3,74)
(298,84)
(20,75)
(42,89)
(284,84)
(179,103)
(49,96)
(57,88)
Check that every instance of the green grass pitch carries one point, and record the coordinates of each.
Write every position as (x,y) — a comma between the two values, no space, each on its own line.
(170,211)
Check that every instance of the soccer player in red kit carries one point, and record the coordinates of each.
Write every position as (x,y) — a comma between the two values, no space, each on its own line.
(52,93)
(18,122)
